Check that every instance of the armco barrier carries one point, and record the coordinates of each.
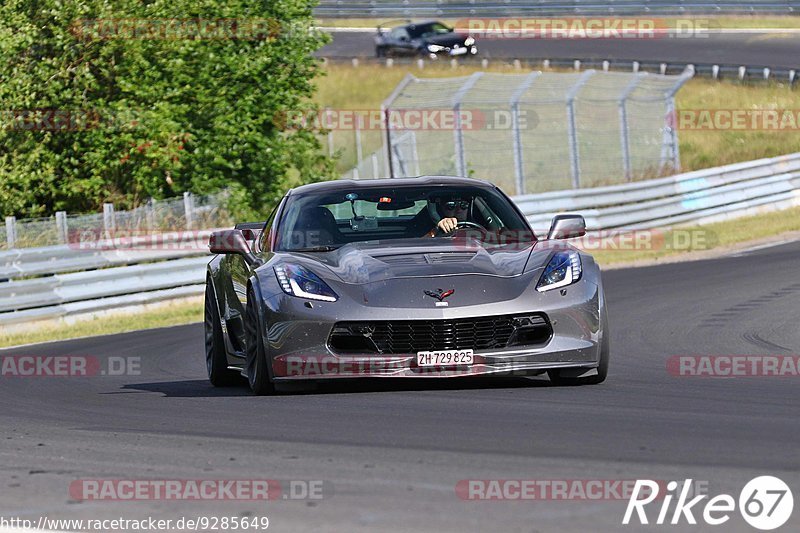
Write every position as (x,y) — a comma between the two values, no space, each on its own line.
(693,197)
(26,262)
(544,8)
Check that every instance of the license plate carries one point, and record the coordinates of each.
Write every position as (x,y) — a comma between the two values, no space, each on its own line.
(444,358)
(458,51)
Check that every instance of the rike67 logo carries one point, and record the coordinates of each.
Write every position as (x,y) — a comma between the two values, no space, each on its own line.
(765,502)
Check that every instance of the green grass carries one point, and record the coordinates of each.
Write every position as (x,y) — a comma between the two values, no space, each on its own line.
(162,316)
(709,237)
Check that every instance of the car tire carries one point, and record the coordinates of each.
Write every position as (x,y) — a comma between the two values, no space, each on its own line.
(602,369)
(256,365)
(216,358)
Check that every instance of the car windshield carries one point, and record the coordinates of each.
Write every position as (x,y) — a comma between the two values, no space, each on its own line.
(428,30)
(327,220)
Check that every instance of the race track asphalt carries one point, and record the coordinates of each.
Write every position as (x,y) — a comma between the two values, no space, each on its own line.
(390,454)
(753,49)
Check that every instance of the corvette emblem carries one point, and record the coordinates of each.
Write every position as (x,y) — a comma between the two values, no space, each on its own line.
(440,295)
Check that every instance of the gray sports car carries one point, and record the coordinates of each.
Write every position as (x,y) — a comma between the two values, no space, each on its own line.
(417,277)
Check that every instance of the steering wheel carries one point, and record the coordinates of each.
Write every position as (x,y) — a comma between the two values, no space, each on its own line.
(467,224)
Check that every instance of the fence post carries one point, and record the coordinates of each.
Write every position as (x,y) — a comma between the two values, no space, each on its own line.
(11,232)
(150,214)
(61,226)
(188,209)
(386,107)
(519,171)
(574,156)
(375,166)
(458,134)
(623,125)
(109,224)
(359,149)
(671,131)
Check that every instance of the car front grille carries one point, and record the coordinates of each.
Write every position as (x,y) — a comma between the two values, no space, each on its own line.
(411,336)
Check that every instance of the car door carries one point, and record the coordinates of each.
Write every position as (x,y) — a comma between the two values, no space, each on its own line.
(401,42)
(240,271)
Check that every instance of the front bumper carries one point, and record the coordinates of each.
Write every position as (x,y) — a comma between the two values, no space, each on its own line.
(462,51)
(297,337)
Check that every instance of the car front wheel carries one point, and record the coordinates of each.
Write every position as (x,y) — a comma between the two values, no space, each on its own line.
(256,363)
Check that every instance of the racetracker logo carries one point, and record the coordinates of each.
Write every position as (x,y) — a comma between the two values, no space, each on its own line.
(547,489)
(734,366)
(197,489)
(765,502)
(786,120)
(68,366)
(583,28)
(67,120)
(429,119)
(250,29)
(138,240)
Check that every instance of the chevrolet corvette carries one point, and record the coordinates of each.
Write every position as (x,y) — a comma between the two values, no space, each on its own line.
(428,277)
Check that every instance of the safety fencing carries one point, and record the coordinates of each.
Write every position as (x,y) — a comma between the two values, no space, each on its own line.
(191,212)
(53,282)
(537,131)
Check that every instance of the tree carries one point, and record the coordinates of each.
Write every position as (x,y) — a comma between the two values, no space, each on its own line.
(154,98)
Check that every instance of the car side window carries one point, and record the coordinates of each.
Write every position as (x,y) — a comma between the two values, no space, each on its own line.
(400,34)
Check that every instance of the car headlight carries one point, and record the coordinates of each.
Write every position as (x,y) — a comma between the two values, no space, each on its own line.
(563,269)
(435,48)
(469,41)
(303,283)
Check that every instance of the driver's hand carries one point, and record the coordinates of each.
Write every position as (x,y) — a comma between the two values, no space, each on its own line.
(447,224)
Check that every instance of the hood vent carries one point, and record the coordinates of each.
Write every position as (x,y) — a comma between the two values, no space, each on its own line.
(432,258)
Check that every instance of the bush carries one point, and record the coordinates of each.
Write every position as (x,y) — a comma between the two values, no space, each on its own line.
(94,113)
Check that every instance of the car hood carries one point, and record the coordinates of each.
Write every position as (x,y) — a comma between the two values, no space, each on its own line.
(447,39)
(374,261)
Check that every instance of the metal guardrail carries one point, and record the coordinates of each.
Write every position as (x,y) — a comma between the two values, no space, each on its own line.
(455,8)
(694,197)
(746,73)
(55,281)
(28,262)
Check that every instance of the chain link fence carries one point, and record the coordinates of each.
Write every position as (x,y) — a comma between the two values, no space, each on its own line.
(189,212)
(534,132)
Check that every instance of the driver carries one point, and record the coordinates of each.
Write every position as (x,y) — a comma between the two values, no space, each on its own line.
(452,210)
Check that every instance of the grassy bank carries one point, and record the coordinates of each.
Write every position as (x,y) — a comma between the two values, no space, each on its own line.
(164,315)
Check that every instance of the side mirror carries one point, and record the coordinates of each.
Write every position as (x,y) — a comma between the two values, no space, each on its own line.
(232,241)
(567,227)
